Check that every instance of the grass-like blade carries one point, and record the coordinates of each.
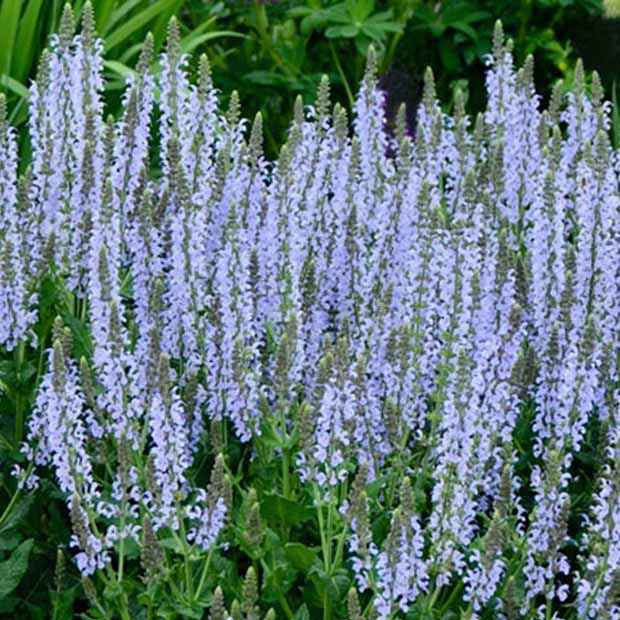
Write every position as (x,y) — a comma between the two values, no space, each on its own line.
(27,39)
(191,43)
(103,11)
(9,20)
(136,22)
(13,85)
(118,14)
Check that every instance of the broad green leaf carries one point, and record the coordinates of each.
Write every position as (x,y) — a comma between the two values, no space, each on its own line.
(173,544)
(195,611)
(335,585)
(18,511)
(82,344)
(9,540)
(277,580)
(136,22)
(13,569)
(276,508)
(300,556)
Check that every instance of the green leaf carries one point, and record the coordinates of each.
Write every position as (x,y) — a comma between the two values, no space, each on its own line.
(302,613)
(14,86)
(188,45)
(378,31)
(13,569)
(615,115)
(118,14)
(9,540)
(347,31)
(462,13)
(82,345)
(103,10)
(17,513)
(136,22)
(335,585)
(300,556)
(277,581)
(195,611)
(376,486)
(276,508)
(27,37)
(312,22)
(173,544)
(63,601)
(119,68)
(466,29)
(359,10)
(9,19)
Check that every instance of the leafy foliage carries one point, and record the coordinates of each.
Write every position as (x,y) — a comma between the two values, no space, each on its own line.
(272,51)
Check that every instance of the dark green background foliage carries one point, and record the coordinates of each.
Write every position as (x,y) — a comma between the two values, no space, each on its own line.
(271,50)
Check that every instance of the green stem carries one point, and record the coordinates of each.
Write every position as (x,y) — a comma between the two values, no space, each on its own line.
(285,606)
(327,610)
(19,409)
(340,546)
(456,592)
(322,533)
(188,571)
(281,598)
(10,505)
(286,483)
(330,527)
(123,610)
(121,552)
(431,601)
(326,547)
(121,559)
(343,77)
(203,576)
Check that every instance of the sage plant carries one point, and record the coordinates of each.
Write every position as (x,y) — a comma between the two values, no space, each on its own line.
(371,364)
